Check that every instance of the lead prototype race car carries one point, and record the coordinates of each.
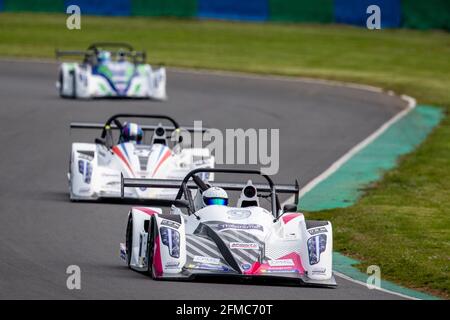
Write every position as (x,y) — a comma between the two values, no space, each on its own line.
(202,235)
(139,151)
(110,70)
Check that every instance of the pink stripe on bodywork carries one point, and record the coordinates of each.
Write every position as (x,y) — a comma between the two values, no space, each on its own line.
(263,268)
(289,217)
(146,210)
(157,260)
(163,159)
(119,153)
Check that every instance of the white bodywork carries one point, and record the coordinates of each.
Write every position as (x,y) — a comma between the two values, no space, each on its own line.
(114,79)
(290,248)
(95,170)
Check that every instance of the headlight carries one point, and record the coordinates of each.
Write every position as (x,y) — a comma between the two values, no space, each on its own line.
(85,168)
(81,166)
(316,245)
(171,239)
(88,175)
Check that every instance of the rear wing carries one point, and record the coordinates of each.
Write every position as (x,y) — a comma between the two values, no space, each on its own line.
(73,53)
(176,184)
(101,126)
(135,56)
(184,185)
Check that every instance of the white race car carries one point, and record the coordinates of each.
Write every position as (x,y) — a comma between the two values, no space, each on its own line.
(207,237)
(117,72)
(95,168)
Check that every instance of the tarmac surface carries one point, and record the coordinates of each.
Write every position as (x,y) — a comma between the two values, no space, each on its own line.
(42,232)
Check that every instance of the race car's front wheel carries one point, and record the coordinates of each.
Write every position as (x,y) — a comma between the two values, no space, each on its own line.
(129,239)
(150,246)
(61,84)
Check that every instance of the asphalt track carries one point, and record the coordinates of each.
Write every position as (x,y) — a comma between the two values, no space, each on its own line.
(42,232)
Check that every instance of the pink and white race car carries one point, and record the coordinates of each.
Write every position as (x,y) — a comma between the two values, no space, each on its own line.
(199,237)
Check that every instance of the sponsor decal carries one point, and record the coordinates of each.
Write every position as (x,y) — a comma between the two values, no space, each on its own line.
(170,223)
(142,151)
(110,175)
(206,260)
(113,183)
(318,271)
(291,236)
(238,214)
(123,252)
(281,263)
(317,230)
(172,265)
(244,245)
(246,266)
(279,271)
(205,266)
(238,226)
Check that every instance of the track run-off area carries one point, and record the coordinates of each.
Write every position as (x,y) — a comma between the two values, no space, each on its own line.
(42,232)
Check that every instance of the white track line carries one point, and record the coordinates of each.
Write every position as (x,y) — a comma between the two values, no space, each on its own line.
(236,74)
(343,276)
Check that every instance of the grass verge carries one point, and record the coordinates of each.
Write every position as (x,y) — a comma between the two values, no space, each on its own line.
(402,223)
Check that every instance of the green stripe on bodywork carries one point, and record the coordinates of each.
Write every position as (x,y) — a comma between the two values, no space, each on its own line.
(344,187)
(104,70)
(345,265)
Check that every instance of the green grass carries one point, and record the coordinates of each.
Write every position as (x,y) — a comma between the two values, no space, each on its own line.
(402,224)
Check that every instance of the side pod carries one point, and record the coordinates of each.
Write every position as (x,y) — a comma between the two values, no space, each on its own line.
(137,237)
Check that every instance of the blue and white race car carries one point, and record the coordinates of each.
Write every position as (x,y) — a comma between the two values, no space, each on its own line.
(110,70)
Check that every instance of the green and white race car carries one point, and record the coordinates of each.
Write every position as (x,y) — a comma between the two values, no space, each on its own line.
(110,70)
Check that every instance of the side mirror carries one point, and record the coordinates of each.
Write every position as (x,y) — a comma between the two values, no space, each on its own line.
(290,207)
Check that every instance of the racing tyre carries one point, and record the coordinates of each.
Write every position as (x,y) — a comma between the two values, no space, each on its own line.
(150,246)
(129,239)
(74,84)
(61,84)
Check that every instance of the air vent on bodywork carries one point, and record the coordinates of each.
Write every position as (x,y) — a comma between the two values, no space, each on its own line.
(87,153)
(197,158)
(143,162)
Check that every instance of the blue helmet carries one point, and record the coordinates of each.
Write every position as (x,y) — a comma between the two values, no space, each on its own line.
(104,56)
(215,196)
(132,132)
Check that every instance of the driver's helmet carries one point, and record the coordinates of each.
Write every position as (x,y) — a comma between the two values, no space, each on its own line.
(132,132)
(104,56)
(215,196)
